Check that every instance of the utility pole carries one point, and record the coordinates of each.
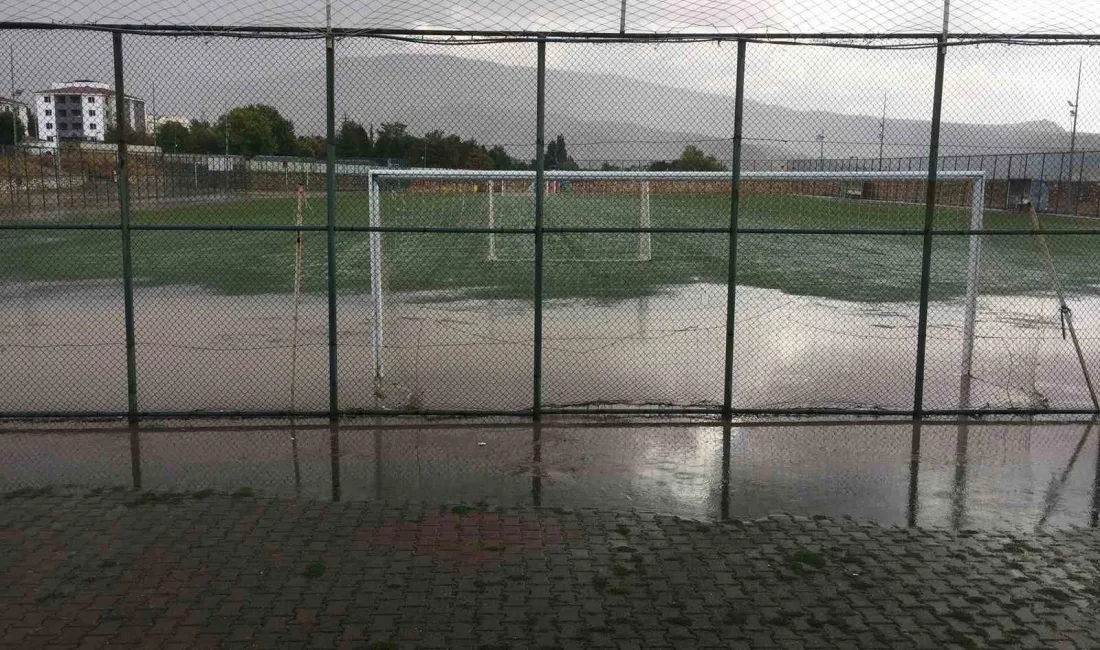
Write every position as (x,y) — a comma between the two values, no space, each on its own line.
(882,132)
(821,150)
(14,122)
(226,133)
(1073,110)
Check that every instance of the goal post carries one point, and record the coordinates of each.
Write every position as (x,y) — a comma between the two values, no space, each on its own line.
(498,187)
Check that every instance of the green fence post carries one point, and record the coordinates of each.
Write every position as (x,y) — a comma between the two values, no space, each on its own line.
(124,210)
(929,220)
(735,206)
(330,215)
(540,136)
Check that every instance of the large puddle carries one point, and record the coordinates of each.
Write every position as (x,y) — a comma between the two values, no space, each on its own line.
(1019,475)
(62,349)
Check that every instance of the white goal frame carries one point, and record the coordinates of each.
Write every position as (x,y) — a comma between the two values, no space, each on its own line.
(977,213)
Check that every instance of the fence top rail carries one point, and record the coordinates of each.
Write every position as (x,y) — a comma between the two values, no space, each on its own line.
(492,174)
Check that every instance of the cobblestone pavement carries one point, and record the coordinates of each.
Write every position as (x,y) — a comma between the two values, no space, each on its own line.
(119,569)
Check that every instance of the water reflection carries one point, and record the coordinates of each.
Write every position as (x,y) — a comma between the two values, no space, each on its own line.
(962,474)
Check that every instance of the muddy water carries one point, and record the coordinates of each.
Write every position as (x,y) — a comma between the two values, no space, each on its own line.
(62,349)
(987,475)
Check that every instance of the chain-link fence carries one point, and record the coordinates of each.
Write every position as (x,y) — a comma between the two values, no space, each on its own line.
(785,207)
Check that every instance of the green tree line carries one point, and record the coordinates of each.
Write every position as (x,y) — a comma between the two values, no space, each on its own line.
(260,130)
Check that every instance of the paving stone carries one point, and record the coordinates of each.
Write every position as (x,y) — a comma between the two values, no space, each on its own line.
(80,572)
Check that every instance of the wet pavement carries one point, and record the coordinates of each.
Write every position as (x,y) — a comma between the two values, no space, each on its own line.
(1020,475)
(112,569)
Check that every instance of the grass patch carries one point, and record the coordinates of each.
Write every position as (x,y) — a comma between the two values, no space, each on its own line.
(381,645)
(620,570)
(810,558)
(618,591)
(461,510)
(314,570)
(600,582)
(243,493)
(29,493)
(961,615)
(855,267)
(157,498)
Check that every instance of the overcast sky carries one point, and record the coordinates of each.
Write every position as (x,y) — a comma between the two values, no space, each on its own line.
(986,84)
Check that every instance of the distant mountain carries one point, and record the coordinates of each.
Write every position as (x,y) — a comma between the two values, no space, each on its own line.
(603,117)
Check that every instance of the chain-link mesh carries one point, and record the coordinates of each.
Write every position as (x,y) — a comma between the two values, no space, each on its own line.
(262,283)
(644,17)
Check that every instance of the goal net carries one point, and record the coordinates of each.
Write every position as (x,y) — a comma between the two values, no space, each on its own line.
(828,277)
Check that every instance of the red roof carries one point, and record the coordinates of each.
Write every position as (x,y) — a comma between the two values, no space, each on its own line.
(76,90)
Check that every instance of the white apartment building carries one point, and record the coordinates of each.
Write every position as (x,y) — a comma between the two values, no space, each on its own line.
(82,110)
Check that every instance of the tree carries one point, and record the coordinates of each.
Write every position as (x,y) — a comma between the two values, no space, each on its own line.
(6,118)
(353,141)
(110,134)
(556,155)
(692,159)
(201,138)
(257,130)
(173,137)
(393,141)
(310,146)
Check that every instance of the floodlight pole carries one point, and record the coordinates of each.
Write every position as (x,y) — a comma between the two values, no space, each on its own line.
(1075,108)
(14,123)
(735,206)
(622,18)
(882,132)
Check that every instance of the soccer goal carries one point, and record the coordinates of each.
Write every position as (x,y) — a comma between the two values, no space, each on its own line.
(658,226)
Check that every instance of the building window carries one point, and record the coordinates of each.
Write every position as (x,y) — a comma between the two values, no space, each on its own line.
(49,125)
(49,112)
(74,99)
(92,127)
(49,138)
(61,112)
(46,99)
(91,113)
(91,100)
(61,126)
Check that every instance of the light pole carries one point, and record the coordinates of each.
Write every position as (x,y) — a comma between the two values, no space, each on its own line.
(882,132)
(1073,110)
(821,151)
(227,155)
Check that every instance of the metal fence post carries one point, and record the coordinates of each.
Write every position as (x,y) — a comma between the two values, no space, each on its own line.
(929,220)
(735,205)
(540,135)
(124,212)
(330,217)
